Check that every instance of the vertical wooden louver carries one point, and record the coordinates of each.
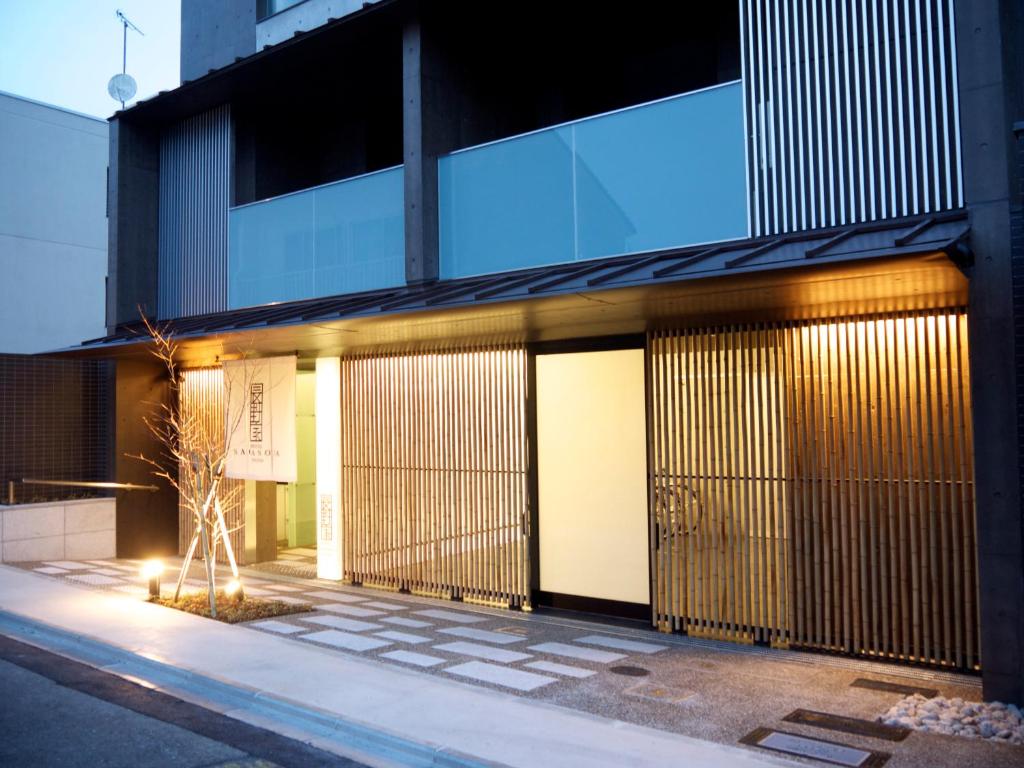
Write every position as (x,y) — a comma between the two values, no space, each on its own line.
(811,484)
(201,394)
(433,487)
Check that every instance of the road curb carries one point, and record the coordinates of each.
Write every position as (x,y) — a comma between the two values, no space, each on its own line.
(352,739)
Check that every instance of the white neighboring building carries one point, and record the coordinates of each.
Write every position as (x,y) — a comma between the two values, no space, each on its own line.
(53,226)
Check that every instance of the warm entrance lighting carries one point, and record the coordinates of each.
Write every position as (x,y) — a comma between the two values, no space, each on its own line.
(151,571)
(234,589)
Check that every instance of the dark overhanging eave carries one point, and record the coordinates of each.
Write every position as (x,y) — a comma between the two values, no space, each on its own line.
(917,236)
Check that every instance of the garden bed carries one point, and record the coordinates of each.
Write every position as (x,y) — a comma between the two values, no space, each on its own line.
(231,610)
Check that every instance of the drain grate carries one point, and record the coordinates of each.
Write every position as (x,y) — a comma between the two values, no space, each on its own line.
(629,671)
(512,631)
(852,725)
(661,693)
(883,685)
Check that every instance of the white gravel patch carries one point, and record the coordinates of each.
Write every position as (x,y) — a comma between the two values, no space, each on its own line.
(994,721)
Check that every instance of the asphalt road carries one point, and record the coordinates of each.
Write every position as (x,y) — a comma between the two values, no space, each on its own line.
(57,712)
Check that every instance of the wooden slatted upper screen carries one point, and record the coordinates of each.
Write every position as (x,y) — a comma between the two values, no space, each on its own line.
(201,396)
(812,484)
(433,488)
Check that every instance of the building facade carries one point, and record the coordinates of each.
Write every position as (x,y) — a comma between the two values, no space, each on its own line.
(53,226)
(699,317)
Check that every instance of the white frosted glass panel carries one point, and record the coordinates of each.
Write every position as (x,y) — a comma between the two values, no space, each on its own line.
(339,238)
(662,175)
(592,475)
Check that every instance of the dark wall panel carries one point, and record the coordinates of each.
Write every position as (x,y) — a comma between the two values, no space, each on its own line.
(53,425)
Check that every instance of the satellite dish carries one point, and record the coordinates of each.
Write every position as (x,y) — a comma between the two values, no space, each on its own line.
(121,88)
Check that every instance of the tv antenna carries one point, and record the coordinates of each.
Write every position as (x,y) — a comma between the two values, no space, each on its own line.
(122,87)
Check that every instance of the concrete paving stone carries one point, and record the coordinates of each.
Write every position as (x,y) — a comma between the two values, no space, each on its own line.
(340,622)
(401,621)
(386,606)
(70,565)
(411,657)
(482,651)
(455,616)
(257,592)
(291,600)
(104,563)
(50,570)
(282,587)
(337,597)
(504,676)
(559,669)
(620,643)
(108,572)
(403,637)
(472,633)
(575,652)
(346,640)
(93,579)
(349,610)
(281,627)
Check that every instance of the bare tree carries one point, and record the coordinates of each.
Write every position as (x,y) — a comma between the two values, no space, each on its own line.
(193,458)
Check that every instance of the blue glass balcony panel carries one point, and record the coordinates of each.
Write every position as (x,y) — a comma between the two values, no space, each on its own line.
(662,175)
(340,238)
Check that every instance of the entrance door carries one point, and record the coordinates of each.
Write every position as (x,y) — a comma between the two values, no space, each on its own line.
(592,474)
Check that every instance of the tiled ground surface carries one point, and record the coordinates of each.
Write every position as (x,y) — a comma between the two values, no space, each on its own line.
(298,561)
(701,688)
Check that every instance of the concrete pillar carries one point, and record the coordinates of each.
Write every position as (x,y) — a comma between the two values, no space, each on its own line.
(989,79)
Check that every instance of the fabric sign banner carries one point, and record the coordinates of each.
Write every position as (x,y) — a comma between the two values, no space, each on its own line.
(261,419)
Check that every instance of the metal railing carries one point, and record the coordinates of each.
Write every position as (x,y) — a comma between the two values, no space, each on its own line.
(78,484)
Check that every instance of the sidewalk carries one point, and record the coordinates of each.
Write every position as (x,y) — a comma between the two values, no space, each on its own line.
(391,715)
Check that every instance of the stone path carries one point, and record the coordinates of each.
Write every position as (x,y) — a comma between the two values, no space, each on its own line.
(705,689)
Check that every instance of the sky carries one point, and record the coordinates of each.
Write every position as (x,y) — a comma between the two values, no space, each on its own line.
(63,52)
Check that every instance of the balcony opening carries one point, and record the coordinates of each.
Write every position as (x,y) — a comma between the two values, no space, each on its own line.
(549,63)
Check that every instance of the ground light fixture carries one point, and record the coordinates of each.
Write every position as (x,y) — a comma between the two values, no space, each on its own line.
(233,589)
(151,570)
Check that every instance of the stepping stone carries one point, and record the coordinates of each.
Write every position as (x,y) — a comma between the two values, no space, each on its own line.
(103,563)
(339,622)
(575,652)
(345,640)
(482,652)
(283,587)
(471,633)
(634,646)
(401,621)
(403,637)
(560,669)
(93,579)
(108,572)
(69,565)
(410,657)
(337,597)
(257,592)
(349,610)
(287,599)
(504,676)
(456,616)
(50,570)
(278,626)
(386,606)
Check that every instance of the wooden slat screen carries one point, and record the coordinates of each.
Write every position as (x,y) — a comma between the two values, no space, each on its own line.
(201,396)
(811,484)
(433,490)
